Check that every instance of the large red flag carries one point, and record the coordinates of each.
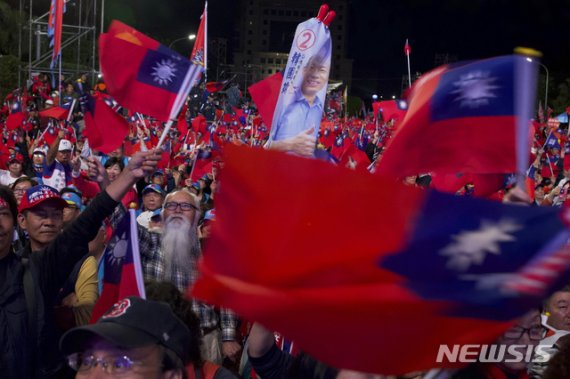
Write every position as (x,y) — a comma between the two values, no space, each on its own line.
(265,94)
(15,120)
(390,109)
(466,117)
(182,124)
(388,267)
(202,165)
(55,112)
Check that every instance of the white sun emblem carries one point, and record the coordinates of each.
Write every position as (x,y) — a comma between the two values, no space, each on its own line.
(475,89)
(119,250)
(470,246)
(164,72)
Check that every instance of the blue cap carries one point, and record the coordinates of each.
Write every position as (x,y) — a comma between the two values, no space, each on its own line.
(154,188)
(72,199)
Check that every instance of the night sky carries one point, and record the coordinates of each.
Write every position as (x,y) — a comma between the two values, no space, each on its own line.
(467,29)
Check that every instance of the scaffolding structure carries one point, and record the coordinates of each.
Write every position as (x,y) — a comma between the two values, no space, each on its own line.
(78,40)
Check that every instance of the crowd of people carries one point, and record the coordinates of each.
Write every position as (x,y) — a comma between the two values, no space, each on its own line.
(60,203)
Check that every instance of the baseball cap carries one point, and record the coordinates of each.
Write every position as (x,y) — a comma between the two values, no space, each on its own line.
(16,158)
(39,194)
(131,323)
(157,172)
(64,145)
(39,150)
(71,188)
(72,199)
(154,188)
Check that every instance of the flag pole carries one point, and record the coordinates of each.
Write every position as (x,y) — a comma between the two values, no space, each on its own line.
(407,51)
(59,79)
(409,73)
(194,163)
(206,42)
(526,73)
(71,108)
(167,127)
(549,164)
(43,133)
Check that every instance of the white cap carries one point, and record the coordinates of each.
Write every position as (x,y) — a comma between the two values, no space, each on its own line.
(64,145)
(49,102)
(39,150)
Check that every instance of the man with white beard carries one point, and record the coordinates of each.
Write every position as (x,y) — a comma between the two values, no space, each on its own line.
(172,255)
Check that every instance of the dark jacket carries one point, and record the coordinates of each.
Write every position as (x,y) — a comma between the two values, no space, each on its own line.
(22,355)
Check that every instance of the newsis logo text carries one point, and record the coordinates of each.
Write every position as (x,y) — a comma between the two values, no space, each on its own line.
(493,353)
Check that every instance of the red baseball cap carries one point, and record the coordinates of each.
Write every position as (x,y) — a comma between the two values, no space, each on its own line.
(16,158)
(37,195)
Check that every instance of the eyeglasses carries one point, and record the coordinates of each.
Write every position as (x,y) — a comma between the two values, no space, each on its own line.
(535,333)
(172,205)
(118,365)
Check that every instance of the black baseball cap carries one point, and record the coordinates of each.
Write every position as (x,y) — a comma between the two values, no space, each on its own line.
(133,322)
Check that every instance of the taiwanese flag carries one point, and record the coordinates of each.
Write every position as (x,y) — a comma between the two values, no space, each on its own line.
(55,112)
(105,128)
(54,28)
(123,271)
(390,109)
(553,140)
(182,124)
(200,125)
(466,117)
(355,157)
(202,165)
(265,94)
(164,161)
(143,75)
(340,146)
(51,131)
(395,271)
(198,55)
(213,87)
(16,117)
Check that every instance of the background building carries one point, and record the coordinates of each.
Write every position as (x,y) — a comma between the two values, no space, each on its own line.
(264,33)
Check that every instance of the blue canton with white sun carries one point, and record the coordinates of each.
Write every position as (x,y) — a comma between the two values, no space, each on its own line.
(165,71)
(476,89)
